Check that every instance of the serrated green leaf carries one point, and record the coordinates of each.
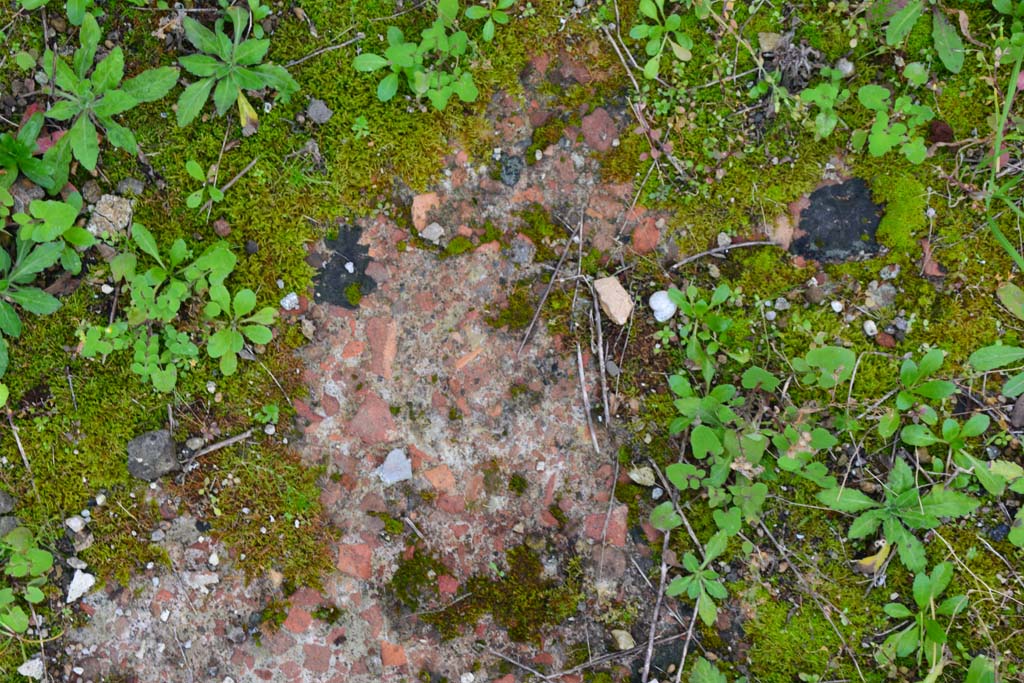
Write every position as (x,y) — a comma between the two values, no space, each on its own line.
(846,500)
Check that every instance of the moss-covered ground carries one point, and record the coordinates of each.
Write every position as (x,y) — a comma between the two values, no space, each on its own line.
(746,155)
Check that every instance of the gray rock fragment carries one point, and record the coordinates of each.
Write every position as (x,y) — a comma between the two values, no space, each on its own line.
(152,455)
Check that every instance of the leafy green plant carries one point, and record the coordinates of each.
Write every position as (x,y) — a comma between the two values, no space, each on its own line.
(54,221)
(90,97)
(157,295)
(826,96)
(954,436)
(228,66)
(76,10)
(241,324)
(925,636)
(18,154)
(494,12)
(25,568)
(903,509)
(269,414)
(888,133)
(700,325)
(257,13)
(945,38)
(209,189)
(916,389)
(702,584)
(16,277)
(361,128)
(706,672)
(431,68)
(998,357)
(826,367)
(661,30)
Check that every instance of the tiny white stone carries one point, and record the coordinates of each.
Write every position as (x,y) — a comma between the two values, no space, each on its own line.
(33,668)
(280,283)
(214,559)
(662,306)
(724,240)
(211,388)
(290,302)
(541,465)
(76,563)
(538,155)
(75,523)
(350,267)
(433,233)
(837,306)
(870,328)
(80,585)
(106,289)
(467,678)
(269,429)
(165,615)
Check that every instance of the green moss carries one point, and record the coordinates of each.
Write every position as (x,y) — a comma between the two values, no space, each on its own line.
(353,294)
(538,226)
(328,613)
(521,601)
(415,580)
(519,311)
(518,484)
(459,244)
(558,514)
(543,137)
(392,526)
(904,221)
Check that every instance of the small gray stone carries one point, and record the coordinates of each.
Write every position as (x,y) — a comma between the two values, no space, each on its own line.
(318,112)
(870,328)
(23,192)
(814,295)
(75,523)
(6,502)
(623,640)
(112,215)
(523,251)
(1017,414)
(132,186)
(879,295)
(511,169)
(290,302)
(433,233)
(195,443)
(81,582)
(889,272)
(8,524)
(33,668)
(397,467)
(152,455)
(782,304)
(91,191)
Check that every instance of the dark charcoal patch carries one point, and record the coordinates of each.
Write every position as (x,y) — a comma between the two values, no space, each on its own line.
(511,168)
(839,224)
(334,284)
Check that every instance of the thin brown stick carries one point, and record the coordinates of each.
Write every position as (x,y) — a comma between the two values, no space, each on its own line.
(722,250)
(71,386)
(228,184)
(586,399)
(519,664)
(601,363)
(21,450)
(657,609)
(547,291)
(222,444)
(329,48)
(689,639)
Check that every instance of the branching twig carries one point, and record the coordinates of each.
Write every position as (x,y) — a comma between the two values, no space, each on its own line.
(222,444)
(316,53)
(722,250)
(586,399)
(21,450)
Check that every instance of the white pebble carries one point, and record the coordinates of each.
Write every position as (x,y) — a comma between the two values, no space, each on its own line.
(837,306)
(662,306)
(290,302)
(75,523)
(870,328)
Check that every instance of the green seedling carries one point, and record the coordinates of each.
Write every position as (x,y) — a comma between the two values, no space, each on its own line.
(91,96)
(241,325)
(903,509)
(700,326)
(228,66)
(494,13)
(25,566)
(895,126)
(660,31)
(826,96)
(16,277)
(18,156)
(54,221)
(209,189)
(826,367)
(925,636)
(257,13)
(915,389)
(703,585)
(945,38)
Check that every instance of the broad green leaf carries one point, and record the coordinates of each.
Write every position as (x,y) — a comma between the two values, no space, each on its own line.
(257,334)
(947,42)
(846,500)
(715,546)
(476,12)
(146,242)
(37,260)
(663,517)
(109,72)
(706,609)
(874,97)
(220,344)
(15,619)
(224,95)
(941,502)
(889,423)
(706,672)
(34,300)
(10,323)
(245,302)
(200,65)
(866,524)
(902,22)
(1014,386)
(121,136)
(897,611)
(84,141)
(228,363)
(757,377)
(918,435)
(703,440)
(387,87)
(264,316)
(202,38)
(942,574)
(995,356)
(152,84)
(916,73)
(1012,297)
(251,52)
(901,477)
(192,99)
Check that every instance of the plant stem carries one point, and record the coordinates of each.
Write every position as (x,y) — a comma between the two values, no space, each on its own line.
(997,152)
